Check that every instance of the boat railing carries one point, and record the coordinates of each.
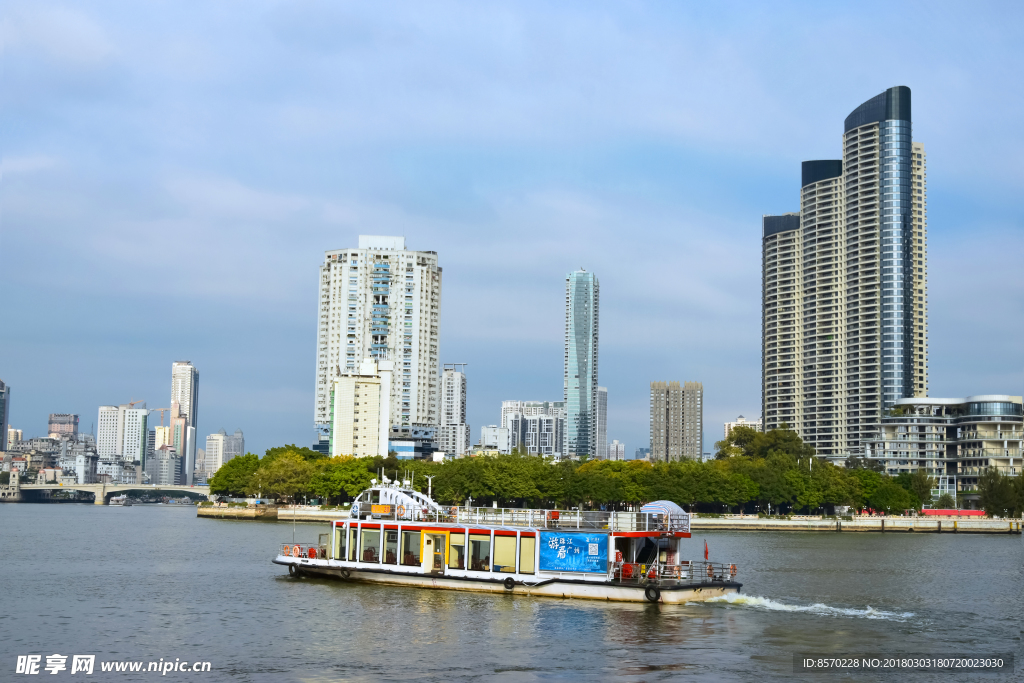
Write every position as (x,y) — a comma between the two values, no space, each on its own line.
(682,572)
(608,520)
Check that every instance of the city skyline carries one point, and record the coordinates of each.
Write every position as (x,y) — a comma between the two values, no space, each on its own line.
(685,161)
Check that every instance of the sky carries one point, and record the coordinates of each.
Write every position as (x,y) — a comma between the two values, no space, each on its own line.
(172,173)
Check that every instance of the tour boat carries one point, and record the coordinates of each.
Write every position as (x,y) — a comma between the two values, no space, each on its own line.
(397,536)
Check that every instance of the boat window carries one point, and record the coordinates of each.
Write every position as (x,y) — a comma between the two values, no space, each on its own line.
(411,548)
(391,547)
(370,546)
(375,497)
(480,552)
(505,554)
(353,544)
(339,543)
(527,546)
(457,551)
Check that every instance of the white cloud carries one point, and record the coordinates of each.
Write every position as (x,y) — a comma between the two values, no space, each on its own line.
(62,34)
(18,165)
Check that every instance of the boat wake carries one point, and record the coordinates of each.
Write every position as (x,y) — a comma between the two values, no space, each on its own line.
(818,608)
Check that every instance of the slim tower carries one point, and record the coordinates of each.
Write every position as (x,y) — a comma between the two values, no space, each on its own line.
(579,381)
(454,432)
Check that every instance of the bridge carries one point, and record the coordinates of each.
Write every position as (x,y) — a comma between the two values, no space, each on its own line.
(103,492)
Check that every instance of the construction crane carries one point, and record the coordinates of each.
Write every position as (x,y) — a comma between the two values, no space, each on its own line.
(162,411)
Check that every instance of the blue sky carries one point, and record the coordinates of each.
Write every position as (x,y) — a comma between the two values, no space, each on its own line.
(173,172)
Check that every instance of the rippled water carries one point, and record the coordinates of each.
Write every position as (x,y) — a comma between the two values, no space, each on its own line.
(141,583)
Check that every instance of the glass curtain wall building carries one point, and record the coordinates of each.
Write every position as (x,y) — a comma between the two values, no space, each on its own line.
(845,285)
(579,382)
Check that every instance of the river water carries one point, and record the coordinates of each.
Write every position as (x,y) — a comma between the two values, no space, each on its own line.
(151,582)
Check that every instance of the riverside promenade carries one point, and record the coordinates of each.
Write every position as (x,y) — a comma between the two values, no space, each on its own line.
(858,523)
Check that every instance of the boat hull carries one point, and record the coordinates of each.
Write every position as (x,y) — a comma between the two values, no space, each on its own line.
(558,587)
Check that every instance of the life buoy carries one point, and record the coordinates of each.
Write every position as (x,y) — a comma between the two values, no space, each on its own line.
(652,593)
(287,550)
(711,571)
(345,573)
(311,553)
(510,583)
(732,570)
(455,511)
(401,511)
(295,551)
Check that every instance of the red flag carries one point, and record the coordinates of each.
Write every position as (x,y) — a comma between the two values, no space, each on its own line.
(705,551)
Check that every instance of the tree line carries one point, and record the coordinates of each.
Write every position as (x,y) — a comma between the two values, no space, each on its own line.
(750,473)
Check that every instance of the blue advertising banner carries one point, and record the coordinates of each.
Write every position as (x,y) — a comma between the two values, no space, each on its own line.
(572,551)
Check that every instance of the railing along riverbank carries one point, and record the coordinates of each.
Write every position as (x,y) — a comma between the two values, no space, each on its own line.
(859,523)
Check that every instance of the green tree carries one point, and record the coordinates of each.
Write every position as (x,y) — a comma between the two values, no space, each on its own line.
(997,494)
(286,475)
(337,477)
(921,486)
(301,451)
(946,501)
(891,498)
(234,476)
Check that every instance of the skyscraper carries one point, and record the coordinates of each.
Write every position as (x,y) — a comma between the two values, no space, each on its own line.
(602,423)
(453,434)
(677,421)
(5,414)
(844,284)
(123,433)
(579,378)
(184,414)
(383,302)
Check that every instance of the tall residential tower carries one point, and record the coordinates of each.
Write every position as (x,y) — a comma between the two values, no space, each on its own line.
(579,380)
(381,301)
(677,421)
(844,285)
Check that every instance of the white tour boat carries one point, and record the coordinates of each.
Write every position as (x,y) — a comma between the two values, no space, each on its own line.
(399,536)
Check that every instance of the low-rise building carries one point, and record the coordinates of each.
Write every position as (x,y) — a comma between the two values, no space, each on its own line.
(954,440)
(537,434)
(493,437)
(741,421)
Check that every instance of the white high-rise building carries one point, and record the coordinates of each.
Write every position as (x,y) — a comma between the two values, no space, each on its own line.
(616,450)
(530,408)
(122,432)
(381,301)
(602,423)
(453,433)
(107,432)
(185,389)
(185,395)
(359,402)
(220,448)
